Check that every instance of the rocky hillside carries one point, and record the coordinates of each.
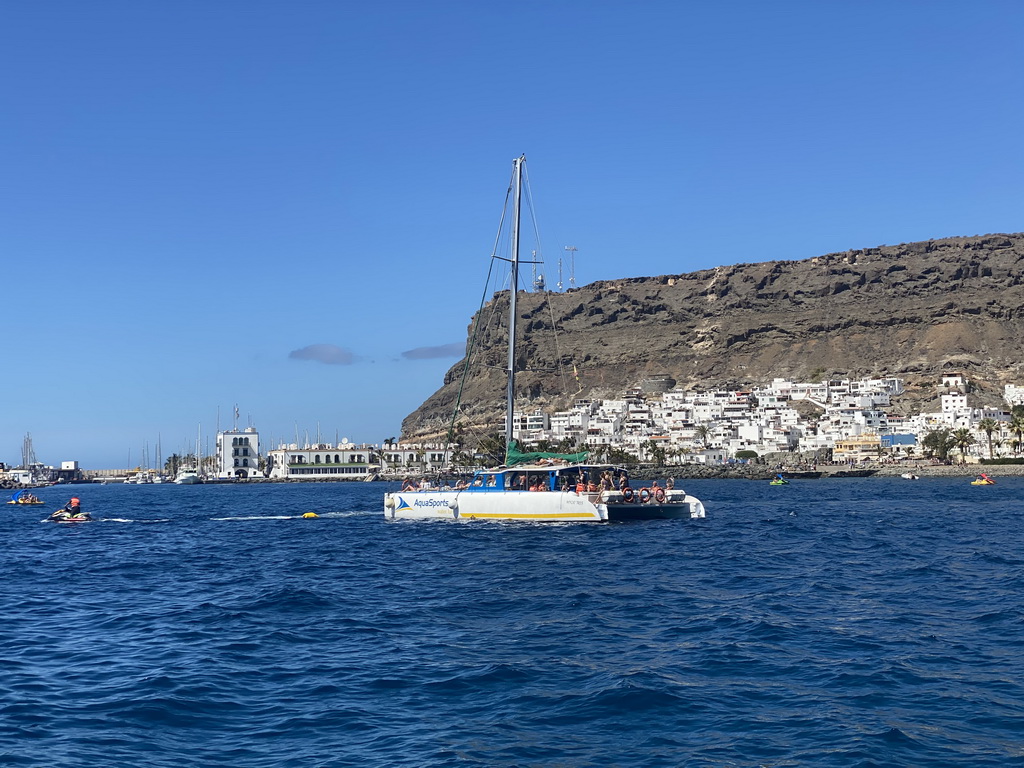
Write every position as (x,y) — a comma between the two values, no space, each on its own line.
(914,310)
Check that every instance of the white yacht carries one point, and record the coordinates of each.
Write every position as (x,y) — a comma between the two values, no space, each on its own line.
(187,477)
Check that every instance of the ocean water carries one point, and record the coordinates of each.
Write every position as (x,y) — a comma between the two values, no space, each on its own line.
(858,622)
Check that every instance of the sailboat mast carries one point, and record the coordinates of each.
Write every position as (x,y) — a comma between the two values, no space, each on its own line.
(513,290)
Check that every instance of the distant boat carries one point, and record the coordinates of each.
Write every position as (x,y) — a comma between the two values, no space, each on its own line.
(779,480)
(983,479)
(192,476)
(187,477)
(24,498)
(538,487)
(909,476)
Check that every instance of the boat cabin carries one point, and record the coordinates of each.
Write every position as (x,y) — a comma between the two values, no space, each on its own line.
(544,477)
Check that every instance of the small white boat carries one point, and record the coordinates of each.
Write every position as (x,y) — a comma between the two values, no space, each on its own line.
(909,476)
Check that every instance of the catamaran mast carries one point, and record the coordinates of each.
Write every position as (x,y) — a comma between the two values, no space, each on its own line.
(514,289)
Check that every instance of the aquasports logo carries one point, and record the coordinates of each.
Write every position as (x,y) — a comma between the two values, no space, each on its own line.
(430,503)
(404,506)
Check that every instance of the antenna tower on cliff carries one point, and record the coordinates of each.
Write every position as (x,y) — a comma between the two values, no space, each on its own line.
(572,264)
(538,279)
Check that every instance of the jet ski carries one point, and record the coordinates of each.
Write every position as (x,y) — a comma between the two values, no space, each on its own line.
(63,516)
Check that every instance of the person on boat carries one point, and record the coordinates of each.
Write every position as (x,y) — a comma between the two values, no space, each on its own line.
(410,485)
(73,507)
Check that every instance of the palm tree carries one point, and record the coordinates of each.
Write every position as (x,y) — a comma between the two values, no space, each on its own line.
(1017,428)
(646,449)
(963,439)
(938,442)
(173,464)
(658,456)
(988,426)
(703,433)
(493,447)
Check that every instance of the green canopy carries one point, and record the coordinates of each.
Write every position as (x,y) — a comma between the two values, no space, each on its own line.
(514,456)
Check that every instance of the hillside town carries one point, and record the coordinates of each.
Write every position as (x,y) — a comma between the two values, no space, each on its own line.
(836,420)
(845,421)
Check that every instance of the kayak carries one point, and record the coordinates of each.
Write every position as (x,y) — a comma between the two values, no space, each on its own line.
(779,482)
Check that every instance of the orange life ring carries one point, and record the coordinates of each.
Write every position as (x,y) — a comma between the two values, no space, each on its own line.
(645,495)
(659,495)
(627,495)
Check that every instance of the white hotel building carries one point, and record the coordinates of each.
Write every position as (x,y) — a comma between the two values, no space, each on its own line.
(238,453)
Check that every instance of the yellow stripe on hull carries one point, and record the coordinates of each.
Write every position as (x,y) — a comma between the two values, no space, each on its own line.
(529,516)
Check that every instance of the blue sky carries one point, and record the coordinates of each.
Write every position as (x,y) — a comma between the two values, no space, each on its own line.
(290,205)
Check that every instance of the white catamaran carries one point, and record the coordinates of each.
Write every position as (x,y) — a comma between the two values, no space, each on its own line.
(539,487)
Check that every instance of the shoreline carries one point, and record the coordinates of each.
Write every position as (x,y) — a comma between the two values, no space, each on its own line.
(825,471)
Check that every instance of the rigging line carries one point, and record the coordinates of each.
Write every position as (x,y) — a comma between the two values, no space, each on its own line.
(533,214)
(476,324)
(536,231)
(469,357)
(558,350)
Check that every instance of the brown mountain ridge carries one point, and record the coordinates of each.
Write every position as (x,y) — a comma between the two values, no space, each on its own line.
(915,310)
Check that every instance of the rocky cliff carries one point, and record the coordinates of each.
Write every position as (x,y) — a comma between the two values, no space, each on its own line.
(915,311)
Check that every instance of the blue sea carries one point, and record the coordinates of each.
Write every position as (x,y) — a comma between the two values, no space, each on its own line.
(856,622)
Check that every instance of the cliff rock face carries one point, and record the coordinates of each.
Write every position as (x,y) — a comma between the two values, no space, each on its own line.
(915,311)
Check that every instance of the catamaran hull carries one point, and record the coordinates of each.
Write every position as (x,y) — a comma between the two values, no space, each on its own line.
(554,507)
(691,509)
(550,507)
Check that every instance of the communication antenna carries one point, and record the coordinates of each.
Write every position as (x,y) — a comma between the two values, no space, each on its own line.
(538,280)
(560,286)
(572,264)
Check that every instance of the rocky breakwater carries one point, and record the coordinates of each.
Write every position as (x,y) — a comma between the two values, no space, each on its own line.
(914,310)
(924,469)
